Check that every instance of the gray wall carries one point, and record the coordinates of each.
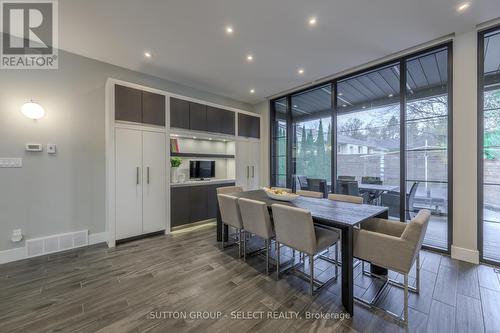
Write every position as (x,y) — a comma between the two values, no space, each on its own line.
(65,192)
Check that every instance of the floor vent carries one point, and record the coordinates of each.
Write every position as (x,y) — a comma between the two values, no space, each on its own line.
(50,244)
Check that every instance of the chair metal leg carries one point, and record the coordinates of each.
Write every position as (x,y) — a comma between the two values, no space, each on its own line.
(244,246)
(336,259)
(405,314)
(222,232)
(267,256)
(277,261)
(239,243)
(417,282)
(311,274)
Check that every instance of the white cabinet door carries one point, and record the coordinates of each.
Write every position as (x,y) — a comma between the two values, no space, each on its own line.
(254,164)
(128,147)
(154,178)
(242,166)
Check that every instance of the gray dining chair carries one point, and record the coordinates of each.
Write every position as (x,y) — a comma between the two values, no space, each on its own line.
(256,220)
(392,201)
(230,215)
(310,194)
(345,198)
(295,228)
(395,246)
(229,189)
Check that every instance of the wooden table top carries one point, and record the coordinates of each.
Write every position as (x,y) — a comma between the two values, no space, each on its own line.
(324,211)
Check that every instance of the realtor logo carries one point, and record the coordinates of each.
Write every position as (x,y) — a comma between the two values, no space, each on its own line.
(29,34)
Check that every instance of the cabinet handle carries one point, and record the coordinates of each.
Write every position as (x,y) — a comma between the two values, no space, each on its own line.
(148,174)
(248,171)
(253,171)
(137,176)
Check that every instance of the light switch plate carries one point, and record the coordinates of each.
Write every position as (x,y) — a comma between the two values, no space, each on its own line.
(51,148)
(11,162)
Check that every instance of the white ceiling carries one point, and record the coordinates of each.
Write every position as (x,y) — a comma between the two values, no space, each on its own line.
(190,46)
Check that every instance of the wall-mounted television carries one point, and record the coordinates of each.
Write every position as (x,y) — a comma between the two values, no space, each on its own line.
(201,169)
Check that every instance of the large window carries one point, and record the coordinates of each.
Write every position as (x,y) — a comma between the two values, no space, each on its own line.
(427,142)
(368,134)
(385,135)
(278,142)
(489,161)
(312,133)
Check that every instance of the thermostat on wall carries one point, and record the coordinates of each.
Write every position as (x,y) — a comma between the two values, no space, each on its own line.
(34,147)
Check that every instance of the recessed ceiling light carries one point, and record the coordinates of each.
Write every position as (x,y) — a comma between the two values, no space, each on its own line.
(194,137)
(252,91)
(148,54)
(313,21)
(295,106)
(210,139)
(390,95)
(249,58)
(229,30)
(344,105)
(340,94)
(364,107)
(463,6)
(300,71)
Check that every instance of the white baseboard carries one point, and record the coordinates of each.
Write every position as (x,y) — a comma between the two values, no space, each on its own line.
(21,253)
(464,254)
(18,253)
(100,237)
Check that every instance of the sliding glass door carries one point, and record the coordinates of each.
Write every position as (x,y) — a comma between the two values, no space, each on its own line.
(385,135)
(489,156)
(279,143)
(427,142)
(368,136)
(311,116)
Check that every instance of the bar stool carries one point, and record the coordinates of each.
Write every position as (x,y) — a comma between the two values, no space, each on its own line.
(256,220)
(295,228)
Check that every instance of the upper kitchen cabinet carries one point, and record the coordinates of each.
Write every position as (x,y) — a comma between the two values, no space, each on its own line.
(139,106)
(197,116)
(220,121)
(128,104)
(153,108)
(248,126)
(179,113)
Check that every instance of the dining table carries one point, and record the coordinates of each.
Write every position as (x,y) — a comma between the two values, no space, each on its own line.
(339,215)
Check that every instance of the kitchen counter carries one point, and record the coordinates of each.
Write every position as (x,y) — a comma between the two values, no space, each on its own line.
(203,182)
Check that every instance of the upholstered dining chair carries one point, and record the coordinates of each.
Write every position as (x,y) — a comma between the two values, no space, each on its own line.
(345,198)
(230,215)
(310,194)
(256,220)
(395,246)
(295,228)
(229,189)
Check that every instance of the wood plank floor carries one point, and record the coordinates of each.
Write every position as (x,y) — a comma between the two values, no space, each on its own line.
(97,289)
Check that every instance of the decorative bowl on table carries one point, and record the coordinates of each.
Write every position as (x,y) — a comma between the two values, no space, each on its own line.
(279,194)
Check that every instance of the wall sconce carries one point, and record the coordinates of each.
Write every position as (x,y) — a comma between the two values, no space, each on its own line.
(33,110)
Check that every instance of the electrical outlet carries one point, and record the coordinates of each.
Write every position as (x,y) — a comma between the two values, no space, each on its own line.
(51,148)
(11,162)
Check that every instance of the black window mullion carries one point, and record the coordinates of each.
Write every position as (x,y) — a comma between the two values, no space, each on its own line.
(334,137)
(402,137)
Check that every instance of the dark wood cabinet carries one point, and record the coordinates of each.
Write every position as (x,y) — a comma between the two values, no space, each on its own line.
(179,113)
(248,126)
(139,106)
(220,121)
(197,116)
(195,203)
(180,206)
(128,104)
(153,108)
(198,198)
